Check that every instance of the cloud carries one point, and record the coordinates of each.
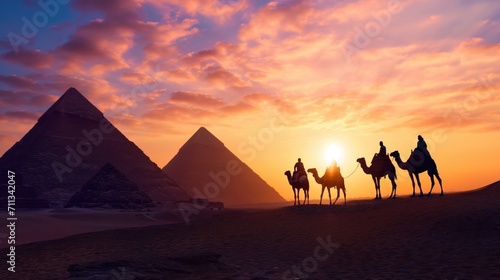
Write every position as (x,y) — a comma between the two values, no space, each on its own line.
(275,18)
(20,115)
(36,59)
(20,82)
(196,99)
(219,77)
(220,10)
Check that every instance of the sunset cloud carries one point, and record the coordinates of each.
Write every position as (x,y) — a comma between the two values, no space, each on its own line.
(30,59)
(196,99)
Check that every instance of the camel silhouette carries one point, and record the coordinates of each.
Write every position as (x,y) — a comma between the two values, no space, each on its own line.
(416,164)
(335,181)
(301,183)
(379,170)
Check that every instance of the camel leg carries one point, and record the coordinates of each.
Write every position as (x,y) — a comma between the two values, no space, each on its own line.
(392,190)
(412,183)
(419,184)
(345,199)
(432,184)
(378,188)
(330,196)
(321,196)
(338,194)
(298,196)
(440,184)
(305,197)
(294,197)
(394,186)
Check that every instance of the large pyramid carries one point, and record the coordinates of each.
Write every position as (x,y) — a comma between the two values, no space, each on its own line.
(205,168)
(68,145)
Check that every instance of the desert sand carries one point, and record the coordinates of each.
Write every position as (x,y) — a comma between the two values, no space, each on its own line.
(451,237)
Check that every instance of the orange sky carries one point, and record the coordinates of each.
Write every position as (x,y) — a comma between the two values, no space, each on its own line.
(301,75)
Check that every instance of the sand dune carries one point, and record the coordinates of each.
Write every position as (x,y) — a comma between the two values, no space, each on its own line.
(450,237)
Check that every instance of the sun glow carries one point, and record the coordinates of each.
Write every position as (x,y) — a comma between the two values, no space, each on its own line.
(332,153)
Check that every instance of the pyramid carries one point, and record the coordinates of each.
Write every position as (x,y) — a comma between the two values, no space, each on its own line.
(205,168)
(109,188)
(68,145)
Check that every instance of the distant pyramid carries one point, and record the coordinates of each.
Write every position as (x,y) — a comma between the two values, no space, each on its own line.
(203,160)
(109,188)
(68,145)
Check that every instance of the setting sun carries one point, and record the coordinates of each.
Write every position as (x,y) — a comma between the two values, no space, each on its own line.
(332,153)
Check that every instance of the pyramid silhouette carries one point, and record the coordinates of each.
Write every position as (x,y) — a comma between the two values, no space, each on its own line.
(68,145)
(205,168)
(109,188)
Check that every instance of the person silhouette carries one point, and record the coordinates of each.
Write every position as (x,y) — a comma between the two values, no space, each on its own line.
(333,170)
(422,146)
(299,169)
(383,149)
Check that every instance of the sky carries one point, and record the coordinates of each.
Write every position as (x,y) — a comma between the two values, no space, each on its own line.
(273,80)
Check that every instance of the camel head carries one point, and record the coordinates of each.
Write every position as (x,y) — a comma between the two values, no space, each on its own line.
(361,160)
(288,173)
(394,154)
(312,170)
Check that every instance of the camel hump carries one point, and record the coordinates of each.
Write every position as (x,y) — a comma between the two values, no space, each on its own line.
(421,157)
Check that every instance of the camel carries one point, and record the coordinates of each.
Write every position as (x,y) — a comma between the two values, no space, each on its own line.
(329,183)
(415,165)
(378,171)
(302,183)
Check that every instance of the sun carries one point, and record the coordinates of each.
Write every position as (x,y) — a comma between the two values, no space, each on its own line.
(332,153)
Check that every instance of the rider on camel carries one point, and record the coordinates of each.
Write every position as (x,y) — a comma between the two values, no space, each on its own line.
(298,169)
(422,146)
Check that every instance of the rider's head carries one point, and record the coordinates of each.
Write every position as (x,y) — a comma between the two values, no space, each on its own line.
(381,143)
(298,159)
(420,138)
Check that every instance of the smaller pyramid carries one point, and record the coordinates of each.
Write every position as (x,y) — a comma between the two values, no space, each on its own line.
(203,162)
(205,138)
(110,189)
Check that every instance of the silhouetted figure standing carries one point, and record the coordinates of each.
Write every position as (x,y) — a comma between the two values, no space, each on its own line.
(298,169)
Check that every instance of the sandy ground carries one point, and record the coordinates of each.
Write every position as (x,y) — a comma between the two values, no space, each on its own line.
(41,225)
(452,237)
